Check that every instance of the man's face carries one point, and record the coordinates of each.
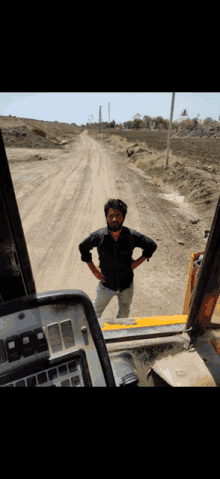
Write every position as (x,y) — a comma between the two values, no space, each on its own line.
(114,219)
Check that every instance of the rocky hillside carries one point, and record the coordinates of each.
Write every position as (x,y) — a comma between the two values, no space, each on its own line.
(209,128)
(28,133)
(200,131)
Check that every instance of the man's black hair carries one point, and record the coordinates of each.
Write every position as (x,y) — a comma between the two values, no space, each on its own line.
(116,205)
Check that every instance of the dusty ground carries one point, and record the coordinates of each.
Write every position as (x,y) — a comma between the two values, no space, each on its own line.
(61,196)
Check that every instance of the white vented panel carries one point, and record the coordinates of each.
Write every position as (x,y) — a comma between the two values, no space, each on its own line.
(67,333)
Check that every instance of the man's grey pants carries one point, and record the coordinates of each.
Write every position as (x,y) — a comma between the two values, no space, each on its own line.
(104,296)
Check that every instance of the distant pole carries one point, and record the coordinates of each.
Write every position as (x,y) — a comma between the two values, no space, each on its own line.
(100,119)
(109,118)
(170,126)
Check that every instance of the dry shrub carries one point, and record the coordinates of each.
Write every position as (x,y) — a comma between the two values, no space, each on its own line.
(188,124)
(159,119)
(166,123)
(209,125)
(174,126)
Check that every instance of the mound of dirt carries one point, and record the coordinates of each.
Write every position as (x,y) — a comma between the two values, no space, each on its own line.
(199,187)
(28,133)
(138,148)
(22,137)
(39,132)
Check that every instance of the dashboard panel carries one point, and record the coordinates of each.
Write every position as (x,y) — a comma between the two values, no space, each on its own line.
(52,339)
(69,370)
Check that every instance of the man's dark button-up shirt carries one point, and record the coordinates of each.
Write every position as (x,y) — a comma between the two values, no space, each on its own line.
(115,257)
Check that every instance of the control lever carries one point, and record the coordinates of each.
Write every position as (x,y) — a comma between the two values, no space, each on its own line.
(13,266)
(123,368)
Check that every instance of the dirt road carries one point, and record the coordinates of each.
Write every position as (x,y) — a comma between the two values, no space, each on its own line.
(61,201)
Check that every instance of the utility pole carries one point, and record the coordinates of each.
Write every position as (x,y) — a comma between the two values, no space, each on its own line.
(100,119)
(109,118)
(170,126)
(91,116)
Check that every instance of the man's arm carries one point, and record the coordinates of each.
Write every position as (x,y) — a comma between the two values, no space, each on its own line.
(96,271)
(86,246)
(138,261)
(147,244)
(92,267)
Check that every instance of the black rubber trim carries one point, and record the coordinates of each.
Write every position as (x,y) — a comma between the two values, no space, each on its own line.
(23,284)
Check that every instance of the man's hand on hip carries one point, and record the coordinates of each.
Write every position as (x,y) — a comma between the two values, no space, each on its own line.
(137,262)
(96,271)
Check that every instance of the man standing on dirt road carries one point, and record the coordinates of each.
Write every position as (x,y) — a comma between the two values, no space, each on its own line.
(115,244)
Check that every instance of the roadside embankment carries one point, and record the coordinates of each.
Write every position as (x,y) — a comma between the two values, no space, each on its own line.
(193,170)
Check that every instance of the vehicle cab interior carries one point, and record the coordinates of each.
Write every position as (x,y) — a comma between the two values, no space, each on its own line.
(53,339)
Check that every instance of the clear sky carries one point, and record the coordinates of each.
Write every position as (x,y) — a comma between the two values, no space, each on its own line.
(77,107)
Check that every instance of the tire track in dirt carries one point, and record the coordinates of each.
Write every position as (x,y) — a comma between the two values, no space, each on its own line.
(67,224)
(48,213)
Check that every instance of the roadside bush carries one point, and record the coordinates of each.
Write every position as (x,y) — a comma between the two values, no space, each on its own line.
(209,123)
(159,119)
(188,124)
(166,123)
(136,123)
(174,126)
